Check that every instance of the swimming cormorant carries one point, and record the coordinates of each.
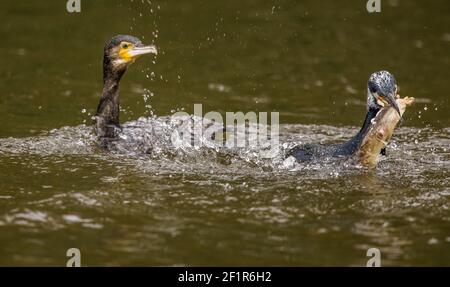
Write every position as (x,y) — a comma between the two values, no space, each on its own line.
(119,53)
(381,91)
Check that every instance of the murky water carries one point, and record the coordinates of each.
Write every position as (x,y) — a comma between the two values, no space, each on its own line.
(188,206)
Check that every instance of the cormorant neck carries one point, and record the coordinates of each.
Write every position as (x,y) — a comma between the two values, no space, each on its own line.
(107,116)
(371,114)
(352,145)
(108,107)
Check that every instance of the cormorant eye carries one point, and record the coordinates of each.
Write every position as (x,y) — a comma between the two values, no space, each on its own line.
(125,46)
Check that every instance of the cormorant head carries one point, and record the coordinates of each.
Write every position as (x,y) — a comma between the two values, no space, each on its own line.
(123,50)
(382,91)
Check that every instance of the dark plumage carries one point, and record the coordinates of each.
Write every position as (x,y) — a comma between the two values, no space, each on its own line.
(381,91)
(119,53)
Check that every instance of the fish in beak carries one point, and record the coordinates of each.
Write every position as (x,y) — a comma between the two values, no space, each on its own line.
(389,100)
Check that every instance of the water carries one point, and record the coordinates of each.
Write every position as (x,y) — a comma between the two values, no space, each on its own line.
(206,206)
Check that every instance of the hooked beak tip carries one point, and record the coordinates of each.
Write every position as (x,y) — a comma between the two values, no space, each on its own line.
(398,111)
(393,102)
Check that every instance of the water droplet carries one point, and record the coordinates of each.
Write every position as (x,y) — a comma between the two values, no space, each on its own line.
(433,241)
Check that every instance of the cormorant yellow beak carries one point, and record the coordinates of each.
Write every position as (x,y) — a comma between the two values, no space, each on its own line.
(132,53)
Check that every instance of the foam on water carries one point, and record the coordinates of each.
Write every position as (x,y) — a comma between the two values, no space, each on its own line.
(154,192)
(152,139)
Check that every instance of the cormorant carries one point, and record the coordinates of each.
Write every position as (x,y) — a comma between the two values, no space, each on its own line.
(381,91)
(119,53)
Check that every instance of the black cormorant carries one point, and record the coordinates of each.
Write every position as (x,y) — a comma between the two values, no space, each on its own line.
(119,53)
(381,91)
